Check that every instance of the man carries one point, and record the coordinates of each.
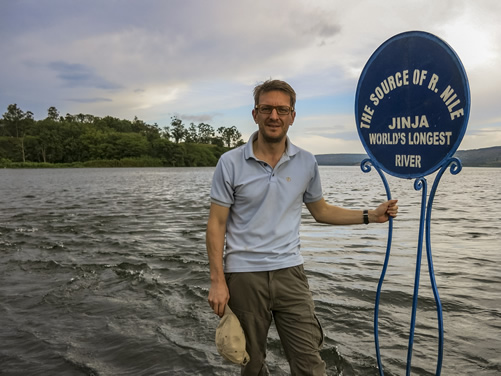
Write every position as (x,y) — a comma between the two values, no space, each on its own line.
(256,202)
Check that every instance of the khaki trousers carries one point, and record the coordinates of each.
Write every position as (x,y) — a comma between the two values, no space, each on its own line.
(283,295)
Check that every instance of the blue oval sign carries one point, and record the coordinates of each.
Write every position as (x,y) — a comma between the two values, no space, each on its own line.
(412,104)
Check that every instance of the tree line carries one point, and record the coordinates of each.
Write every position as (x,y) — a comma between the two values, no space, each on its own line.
(87,140)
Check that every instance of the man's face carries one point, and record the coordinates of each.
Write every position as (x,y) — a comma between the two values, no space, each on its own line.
(273,127)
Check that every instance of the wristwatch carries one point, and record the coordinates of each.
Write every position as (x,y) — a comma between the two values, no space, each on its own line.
(366,216)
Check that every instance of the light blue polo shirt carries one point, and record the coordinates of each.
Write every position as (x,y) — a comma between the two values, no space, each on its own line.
(262,231)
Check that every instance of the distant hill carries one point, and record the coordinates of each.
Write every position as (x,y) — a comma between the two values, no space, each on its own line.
(486,157)
(340,159)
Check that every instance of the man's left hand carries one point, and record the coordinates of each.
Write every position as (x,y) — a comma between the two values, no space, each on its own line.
(384,212)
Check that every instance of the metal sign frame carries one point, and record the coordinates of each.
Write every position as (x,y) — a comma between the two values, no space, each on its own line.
(412,104)
(413,88)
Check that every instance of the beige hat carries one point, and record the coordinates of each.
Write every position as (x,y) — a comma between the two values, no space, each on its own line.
(230,339)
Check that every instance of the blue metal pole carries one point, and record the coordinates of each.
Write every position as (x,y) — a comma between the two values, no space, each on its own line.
(455,168)
(424,228)
(366,167)
(420,183)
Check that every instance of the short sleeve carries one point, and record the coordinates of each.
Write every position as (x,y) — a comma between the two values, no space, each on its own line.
(313,191)
(222,192)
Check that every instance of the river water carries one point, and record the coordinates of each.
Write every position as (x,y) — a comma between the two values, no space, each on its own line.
(104,272)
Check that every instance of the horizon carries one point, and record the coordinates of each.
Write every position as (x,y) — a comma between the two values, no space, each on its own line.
(488,147)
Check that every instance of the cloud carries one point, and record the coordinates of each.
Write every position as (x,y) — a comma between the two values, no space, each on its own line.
(90,100)
(201,59)
(80,75)
(203,118)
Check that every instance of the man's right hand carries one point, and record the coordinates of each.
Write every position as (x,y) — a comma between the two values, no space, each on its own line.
(218,297)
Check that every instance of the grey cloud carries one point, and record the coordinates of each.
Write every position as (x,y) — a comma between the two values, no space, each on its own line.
(80,75)
(203,118)
(328,30)
(319,26)
(90,100)
(218,41)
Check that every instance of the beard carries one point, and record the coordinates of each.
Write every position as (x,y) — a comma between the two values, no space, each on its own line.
(273,138)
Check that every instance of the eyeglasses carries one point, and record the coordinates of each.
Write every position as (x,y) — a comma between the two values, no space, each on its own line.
(267,109)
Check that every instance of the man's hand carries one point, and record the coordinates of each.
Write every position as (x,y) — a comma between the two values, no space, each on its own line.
(384,212)
(218,297)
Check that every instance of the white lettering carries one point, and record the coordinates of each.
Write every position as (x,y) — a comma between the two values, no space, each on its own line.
(418,77)
(457,113)
(366,117)
(398,79)
(430,138)
(387,138)
(408,161)
(391,83)
(402,122)
(448,96)
(433,83)
(447,93)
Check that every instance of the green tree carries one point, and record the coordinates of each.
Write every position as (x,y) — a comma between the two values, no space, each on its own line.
(205,133)
(9,148)
(108,123)
(192,134)
(172,155)
(230,135)
(85,118)
(151,132)
(178,130)
(74,150)
(69,118)
(129,145)
(95,143)
(84,138)
(53,113)
(166,133)
(200,155)
(17,123)
(49,145)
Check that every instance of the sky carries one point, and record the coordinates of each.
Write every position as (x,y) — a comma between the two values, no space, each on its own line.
(199,60)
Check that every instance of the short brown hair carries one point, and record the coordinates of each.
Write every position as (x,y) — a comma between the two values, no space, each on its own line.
(272,85)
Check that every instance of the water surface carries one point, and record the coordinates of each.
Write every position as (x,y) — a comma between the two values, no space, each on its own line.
(104,272)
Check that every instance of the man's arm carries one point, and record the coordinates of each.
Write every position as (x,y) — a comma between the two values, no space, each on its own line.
(216,230)
(334,215)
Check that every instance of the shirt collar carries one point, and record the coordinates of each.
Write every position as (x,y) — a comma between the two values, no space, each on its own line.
(290,150)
